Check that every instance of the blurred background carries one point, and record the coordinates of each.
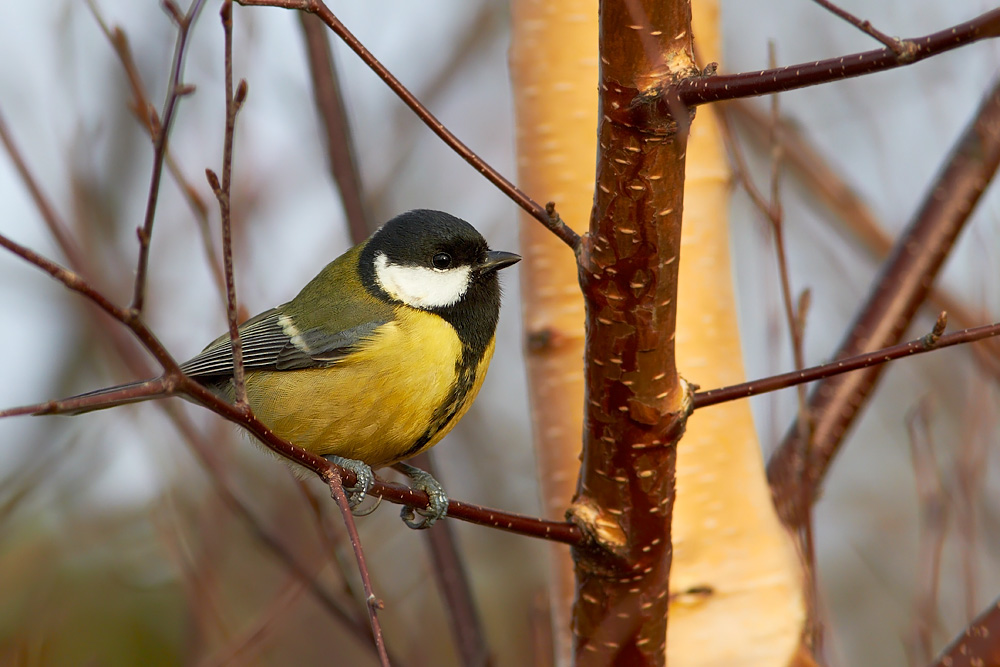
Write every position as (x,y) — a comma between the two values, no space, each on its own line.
(117,545)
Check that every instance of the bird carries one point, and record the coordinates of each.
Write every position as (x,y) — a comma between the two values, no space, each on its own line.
(377,357)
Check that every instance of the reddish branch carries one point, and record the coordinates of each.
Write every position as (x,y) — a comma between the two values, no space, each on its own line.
(699,90)
(161,131)
(978,645)
(816,174)
(317,7)
(903,285)
(703,399)
(140,106)
(223,190)
(897,45)
(635,400)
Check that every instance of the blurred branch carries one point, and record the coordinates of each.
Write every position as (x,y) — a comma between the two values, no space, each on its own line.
(372,603)
(481,30)
(161,132)
(448,568)
(822,180)
(699,90)
(340,149)
(895,297)
(934,507)
(139,106)
(539,212)
(57,227)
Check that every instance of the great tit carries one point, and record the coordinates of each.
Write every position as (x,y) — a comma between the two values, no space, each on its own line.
(379,356)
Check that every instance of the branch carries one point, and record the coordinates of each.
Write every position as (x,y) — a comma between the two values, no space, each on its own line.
(636,404)
(175,91)
(902,286)
(79,285)
(821,179)
(704,399)
(978,645)
(139,106)
(372,603)
(897,45)
(317,7)
(339,142)
(223,193)
(699,90)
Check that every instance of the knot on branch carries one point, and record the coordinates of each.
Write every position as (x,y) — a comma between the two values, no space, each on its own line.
(600,529)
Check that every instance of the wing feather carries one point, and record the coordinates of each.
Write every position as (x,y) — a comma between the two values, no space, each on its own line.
(272,341)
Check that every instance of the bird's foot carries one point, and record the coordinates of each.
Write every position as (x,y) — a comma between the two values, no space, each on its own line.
(437,506)
(366,478)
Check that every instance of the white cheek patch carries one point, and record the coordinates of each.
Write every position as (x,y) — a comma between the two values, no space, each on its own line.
(420,286)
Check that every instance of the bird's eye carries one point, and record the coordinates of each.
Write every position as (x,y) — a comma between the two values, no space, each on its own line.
(442,260)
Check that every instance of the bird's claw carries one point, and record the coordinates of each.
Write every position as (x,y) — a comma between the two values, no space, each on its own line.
(365,479)
(437,506)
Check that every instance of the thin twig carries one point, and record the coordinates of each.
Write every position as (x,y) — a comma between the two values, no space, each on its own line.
(223,191)
(139,107)
(372,603)
(448,567)
(819,177)
(58,228)
(893,301)
(703,399)
(702,89)
(795,323)
(898,47)
(474,37)
(78,284)
(161,128)
(317,7)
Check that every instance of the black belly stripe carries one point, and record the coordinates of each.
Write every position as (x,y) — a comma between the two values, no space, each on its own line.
(465,379)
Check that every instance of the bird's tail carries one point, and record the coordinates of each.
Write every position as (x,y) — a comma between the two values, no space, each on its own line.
(121,394)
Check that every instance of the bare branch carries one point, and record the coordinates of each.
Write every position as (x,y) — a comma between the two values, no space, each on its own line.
(978,645)
(372,603)
(453,582)
(895,298)
(898,46)
(317,7)
(703,399)
(223,191)
(816,174)
(140,103)
(161,131)
(699,90)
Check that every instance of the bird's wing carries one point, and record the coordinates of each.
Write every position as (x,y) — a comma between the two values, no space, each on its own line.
(272,341)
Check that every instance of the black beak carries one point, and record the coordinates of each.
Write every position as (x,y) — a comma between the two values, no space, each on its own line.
(496,260)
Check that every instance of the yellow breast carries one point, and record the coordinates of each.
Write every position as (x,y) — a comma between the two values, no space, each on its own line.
(383,403)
